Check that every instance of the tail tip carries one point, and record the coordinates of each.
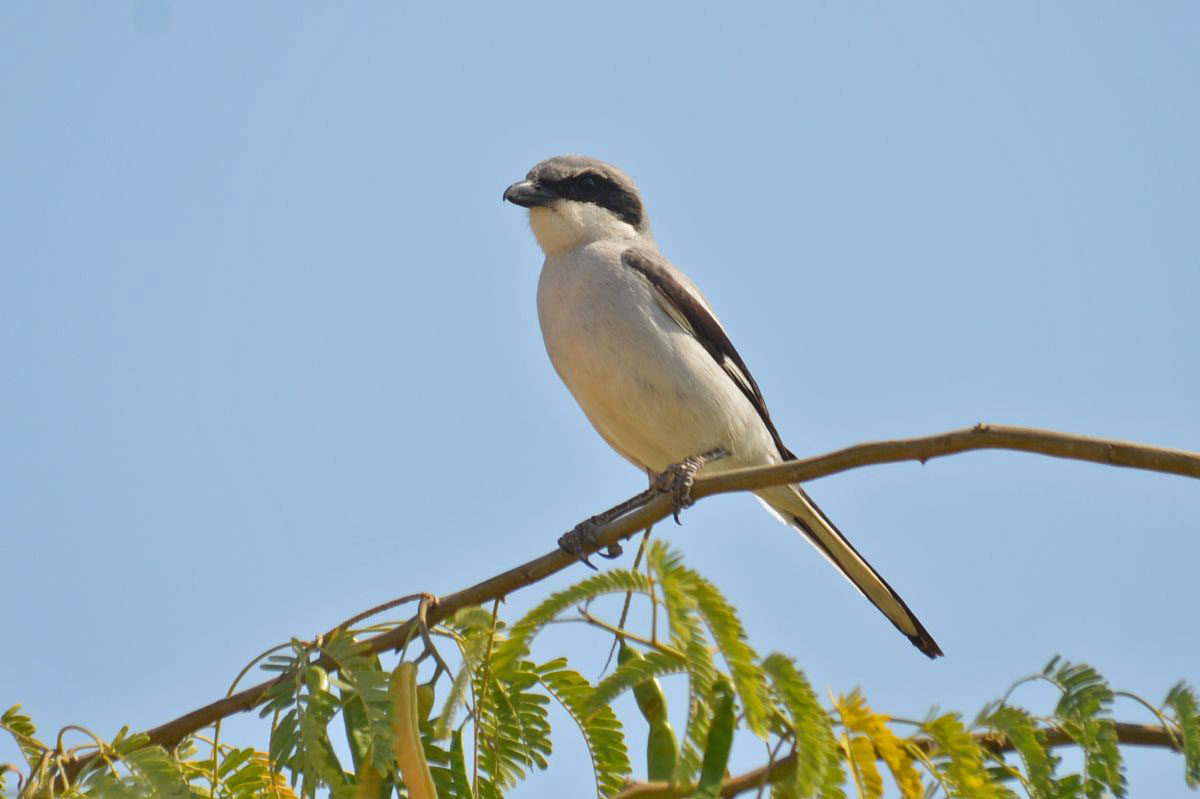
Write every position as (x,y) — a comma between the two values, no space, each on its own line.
(924,642)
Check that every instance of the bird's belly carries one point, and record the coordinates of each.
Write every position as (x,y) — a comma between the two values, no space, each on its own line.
(649,388)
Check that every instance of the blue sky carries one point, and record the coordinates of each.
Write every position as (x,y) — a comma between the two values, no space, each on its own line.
(272,357)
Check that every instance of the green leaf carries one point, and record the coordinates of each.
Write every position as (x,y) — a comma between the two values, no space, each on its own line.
(366,706)
(601,730)
(1021,730)
(514,734)
(156,771)
(357,725)
(1182,701)
(244,775)
(835,778)
(961,760)
(451,780)
(727,630)
(730,636)
(284,737)
(233,760)
(629,674)
(21,728)
(1083,712)
(687,636)
(315,757)
(811,727)
(476,640)
(615,581)
(279,698)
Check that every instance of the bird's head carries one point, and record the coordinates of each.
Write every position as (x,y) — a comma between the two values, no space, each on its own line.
(573,200)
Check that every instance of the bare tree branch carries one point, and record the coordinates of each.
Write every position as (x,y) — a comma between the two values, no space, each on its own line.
(1128,734)
(657,506)
(981,436)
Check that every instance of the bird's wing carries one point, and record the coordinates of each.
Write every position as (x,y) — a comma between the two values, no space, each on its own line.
(680,298)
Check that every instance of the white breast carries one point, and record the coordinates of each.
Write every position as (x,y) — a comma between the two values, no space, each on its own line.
(648,387)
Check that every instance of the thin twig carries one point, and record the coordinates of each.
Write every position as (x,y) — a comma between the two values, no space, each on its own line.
(637,560)
(646,642)
(487,676)
(356,618)
(428,601)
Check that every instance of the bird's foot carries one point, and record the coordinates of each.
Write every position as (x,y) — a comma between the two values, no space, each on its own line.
(582,540)
(677,480)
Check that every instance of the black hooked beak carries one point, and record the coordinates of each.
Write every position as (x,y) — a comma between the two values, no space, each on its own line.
(528,194)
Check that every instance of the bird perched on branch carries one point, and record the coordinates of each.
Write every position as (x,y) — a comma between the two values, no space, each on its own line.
(642,352)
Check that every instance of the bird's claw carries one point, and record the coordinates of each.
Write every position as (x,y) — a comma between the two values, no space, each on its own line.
(579,541)
(679,478)
(677,481)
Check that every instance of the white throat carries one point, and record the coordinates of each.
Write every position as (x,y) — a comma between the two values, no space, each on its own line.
(566,224)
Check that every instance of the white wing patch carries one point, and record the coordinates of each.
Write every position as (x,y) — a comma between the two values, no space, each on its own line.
(734,371)
(672,310)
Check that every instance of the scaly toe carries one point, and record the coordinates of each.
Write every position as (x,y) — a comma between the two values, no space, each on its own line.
(576,542)
(679,478)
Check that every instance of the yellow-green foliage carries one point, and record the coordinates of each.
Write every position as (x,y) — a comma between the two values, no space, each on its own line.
(493,730)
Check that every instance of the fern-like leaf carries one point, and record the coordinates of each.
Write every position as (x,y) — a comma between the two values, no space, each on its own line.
(1082,712)
(688,636)
(244,774)
(476,641)
(961,760)
(615,581)
(1022,731)
(514,734)
(315,757)
(21,727)
(152,772)
(858,718)
(1182,701)
(835,778)
(157,771)
(627,675)
(366,706)
(730,636)
(451,778)
(812,734)
(600,727)
(285,735)
(860,758)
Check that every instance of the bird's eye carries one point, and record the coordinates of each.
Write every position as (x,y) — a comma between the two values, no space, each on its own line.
(588,183)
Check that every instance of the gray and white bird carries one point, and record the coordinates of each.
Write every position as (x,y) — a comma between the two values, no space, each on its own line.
(644,355)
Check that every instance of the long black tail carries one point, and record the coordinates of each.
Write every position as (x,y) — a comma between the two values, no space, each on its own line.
(798,510)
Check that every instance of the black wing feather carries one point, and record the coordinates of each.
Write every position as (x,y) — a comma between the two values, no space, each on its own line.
(709,333)
(706,329)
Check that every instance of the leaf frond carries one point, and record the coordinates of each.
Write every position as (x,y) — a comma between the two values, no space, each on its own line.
(602,732)
(1183,705)
(858,718)
(812,733)
(614,581)
(1083,712)
(628,674)
(1021,730)
(476,638)
(961,760)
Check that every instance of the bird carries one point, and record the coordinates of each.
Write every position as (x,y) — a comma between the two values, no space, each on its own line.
(644,355)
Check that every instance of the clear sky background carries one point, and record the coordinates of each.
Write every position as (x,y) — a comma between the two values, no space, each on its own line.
(270,352)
